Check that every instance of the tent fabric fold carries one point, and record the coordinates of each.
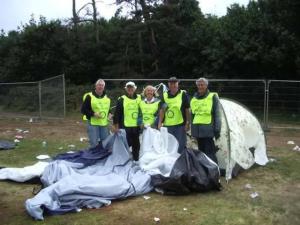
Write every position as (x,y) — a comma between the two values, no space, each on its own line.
(192,172)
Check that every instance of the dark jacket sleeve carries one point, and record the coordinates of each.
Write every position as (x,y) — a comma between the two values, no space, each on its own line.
(118,115)
(217,114)
(185,100)
(86,108)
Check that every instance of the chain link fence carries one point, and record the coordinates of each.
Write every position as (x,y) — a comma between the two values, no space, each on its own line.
(43,99)
(276,103)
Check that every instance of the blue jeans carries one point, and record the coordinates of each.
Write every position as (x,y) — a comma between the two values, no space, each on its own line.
(96,133)
(178,131)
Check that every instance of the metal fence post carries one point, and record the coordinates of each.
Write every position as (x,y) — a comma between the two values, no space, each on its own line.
(267,88)
(40,99)
(64,94)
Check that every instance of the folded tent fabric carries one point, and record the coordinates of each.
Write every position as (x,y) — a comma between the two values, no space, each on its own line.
(6,145)
(192,172)
(71,185)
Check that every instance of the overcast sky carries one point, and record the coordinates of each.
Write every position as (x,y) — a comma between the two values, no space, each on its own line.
(13,13)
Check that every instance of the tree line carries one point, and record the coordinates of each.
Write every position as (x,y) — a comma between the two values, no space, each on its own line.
(159,39)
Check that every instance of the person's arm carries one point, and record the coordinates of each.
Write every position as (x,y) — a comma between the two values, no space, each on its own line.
(161,113)
(217,116)
(186,106)
(86,108)
(117,115)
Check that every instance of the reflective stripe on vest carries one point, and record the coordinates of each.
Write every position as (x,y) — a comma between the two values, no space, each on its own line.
(83,98)
(148,111)
(101,106)
(202,109)
(131,110)
(173,114)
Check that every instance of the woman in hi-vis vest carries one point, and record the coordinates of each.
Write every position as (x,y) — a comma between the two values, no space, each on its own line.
(149,107)
(206,121)
(96,112)
(126,117)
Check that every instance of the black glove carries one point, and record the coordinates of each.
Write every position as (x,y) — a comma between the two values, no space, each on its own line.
(217,135)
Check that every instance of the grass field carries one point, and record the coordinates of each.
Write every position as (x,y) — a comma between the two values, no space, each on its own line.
(278,185)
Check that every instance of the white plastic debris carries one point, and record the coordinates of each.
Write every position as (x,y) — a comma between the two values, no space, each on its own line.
(19,130)
(248,186)
(41,157)
(71,146)
(19,137)
(16,140)
(60,148)
(296,148)
(44,144)
(82,139)
(70,152)
(290,142)
(156,219)
(272,160)
(78,210)
(254,195)
(146,197)
(25,131)
(30,120)
(184,209)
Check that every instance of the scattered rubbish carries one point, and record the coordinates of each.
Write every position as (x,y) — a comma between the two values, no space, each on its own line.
(25,131)
(44,144)
(272,160)
(78,210)
(70,152)
(156,219)
(43,157)
(254,195)
(184,209)
(290,142)
(60,148)
(16,140)
(71,146)
(30,120)
(146,197)
(19,137)
(83,139)
(19,130)
(296,148)
(248,186)
(77,122)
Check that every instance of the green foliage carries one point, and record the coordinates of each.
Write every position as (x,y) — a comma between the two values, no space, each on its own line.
(162,38)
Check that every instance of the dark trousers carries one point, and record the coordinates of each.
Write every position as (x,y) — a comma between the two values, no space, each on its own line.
(207,146)
(180,134)
(132,136)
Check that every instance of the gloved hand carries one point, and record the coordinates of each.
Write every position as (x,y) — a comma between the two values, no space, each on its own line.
(217,135)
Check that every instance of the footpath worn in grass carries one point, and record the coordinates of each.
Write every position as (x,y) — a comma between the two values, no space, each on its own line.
(278,186)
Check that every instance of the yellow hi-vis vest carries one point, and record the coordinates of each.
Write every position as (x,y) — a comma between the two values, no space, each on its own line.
(202,109)
(83,98)
(131,110)
(101,106)
(148,112)
(173,114)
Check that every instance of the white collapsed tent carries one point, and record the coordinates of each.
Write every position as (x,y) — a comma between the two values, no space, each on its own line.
(242,141)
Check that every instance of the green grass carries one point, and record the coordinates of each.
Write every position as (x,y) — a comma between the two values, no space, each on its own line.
(278,186)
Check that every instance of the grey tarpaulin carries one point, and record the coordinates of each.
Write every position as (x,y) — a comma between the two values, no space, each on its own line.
(71,185)
(193,172)
(5,145)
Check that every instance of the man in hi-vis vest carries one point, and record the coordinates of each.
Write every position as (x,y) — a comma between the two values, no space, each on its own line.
(126,117)
(174,113)
(206,121)
(96,109)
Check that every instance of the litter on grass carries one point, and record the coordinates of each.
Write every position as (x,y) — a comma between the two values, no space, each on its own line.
(254,195)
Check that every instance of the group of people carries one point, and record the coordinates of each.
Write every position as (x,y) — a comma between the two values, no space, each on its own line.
(175,110)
